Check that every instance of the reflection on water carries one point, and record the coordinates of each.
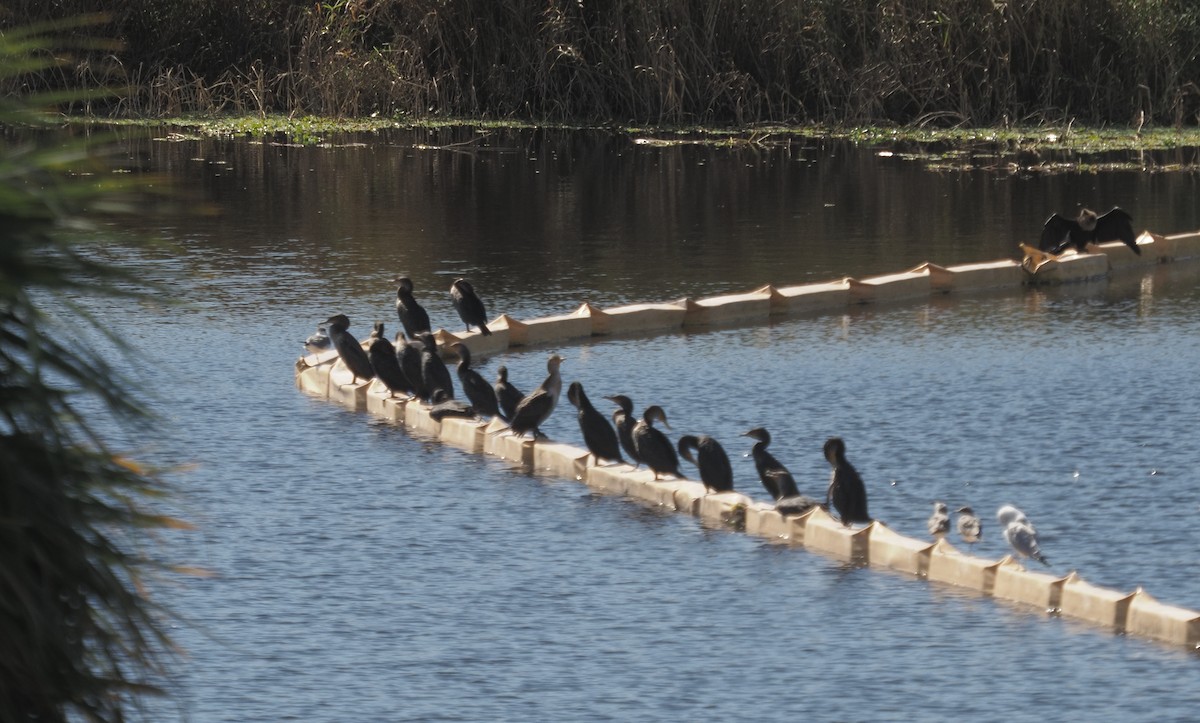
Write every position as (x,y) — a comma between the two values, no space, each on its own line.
(365,574)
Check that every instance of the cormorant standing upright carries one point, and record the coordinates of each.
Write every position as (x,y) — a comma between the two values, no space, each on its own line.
(507,395)
(624,421)
(386,364)
(469,306)
(536,408)
(598,434)
(652,445)
(715,471)
(433,370)
(475,387)
(412,314)
(348,348)
(847,493)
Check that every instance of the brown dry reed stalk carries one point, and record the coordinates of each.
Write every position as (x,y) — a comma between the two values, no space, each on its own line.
(660,61)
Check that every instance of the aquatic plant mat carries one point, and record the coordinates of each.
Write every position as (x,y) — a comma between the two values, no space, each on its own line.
(875,545)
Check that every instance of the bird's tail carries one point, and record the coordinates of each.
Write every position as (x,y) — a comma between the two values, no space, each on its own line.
(484,330)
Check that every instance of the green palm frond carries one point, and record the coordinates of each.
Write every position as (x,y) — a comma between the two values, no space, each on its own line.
(79,636)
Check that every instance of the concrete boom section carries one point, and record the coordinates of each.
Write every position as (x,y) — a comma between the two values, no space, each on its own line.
(1135,613)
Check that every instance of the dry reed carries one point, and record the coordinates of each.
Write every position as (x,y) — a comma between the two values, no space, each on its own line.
(657,61)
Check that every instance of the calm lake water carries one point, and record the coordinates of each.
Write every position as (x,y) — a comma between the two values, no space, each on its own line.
(364,574)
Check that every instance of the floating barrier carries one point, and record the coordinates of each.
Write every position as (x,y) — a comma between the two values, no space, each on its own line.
(750,308)
(906,285)
(1137,613)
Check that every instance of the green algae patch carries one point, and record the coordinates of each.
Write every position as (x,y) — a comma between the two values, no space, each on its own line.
(1040,149)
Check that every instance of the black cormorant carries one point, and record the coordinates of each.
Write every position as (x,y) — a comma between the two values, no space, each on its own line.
(652,446)
(444,406)
(318,341)
(469,306)
(408,353)
(507,395)
(598,434)
(775,478)
(384,361)
(536,408)
(434,373)
(412,314)
(1061,233)
(846,492)
(475,387)
(624,421)
(715,471)
(348,348)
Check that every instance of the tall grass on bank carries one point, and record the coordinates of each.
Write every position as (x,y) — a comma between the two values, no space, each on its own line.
(79,638)
(660,61)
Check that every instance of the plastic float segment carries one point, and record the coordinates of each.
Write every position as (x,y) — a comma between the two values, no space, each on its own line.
(559,460)
(416,418)
(638,318)
(508,446)
(1039,589)
(546,329)
(808,298)
(463,433)
(479,345)
(1122,257)
(1042,268)
(382,403)
(606,479)
(729,309)
(343,389)
(1149,618)
(726,509)
(1184,245)
(890,287)
(313,380)
(1081,599)
(825,534)
(763,520)
(1002,274)
(948,565)
(888,548)
(687,495)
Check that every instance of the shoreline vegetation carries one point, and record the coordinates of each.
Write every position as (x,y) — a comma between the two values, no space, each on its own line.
(841,64)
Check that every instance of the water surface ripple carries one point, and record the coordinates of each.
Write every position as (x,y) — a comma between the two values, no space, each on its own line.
(362,573)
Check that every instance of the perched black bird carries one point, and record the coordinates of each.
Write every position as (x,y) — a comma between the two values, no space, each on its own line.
(652,445)
(348,348)
(434,373)
(469,306)
(598,434)
(412,314)
(475,387)
(1061,233)
(318,341)
(846,492)
(408,354)
(507,395)
(536,408)
(715,471)
(624,421)
(775,478)
(386,364)
(444,406)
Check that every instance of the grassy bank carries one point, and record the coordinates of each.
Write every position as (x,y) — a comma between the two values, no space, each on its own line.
(676,62)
